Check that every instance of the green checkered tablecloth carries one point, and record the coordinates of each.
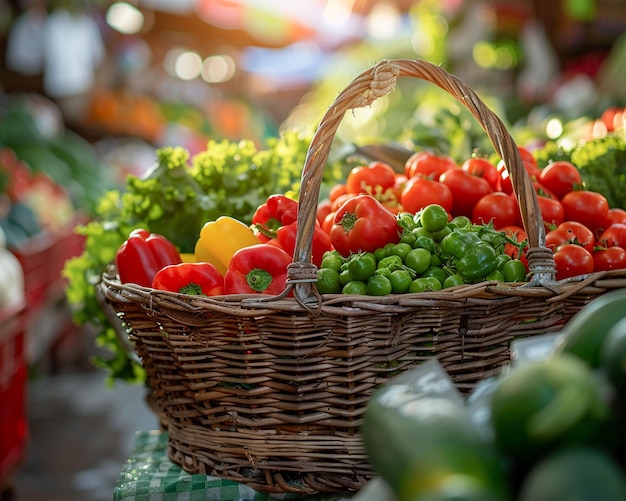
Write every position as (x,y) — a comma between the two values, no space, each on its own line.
(149,475)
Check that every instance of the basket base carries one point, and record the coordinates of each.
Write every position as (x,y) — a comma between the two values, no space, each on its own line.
(274,463)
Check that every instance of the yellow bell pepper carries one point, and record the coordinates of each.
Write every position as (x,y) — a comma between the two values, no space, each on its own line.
(188,257)
(203,256)
(220,239)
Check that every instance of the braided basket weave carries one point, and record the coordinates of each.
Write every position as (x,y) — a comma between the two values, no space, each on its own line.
(271,391)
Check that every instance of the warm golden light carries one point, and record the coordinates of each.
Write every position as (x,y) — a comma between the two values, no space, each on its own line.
(217,69)
(124,18)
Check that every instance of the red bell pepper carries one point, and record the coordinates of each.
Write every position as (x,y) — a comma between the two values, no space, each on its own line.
(142,255)
(260,269)
(277,211)
(275,222)
(196,279)
(363,224)
(286,239)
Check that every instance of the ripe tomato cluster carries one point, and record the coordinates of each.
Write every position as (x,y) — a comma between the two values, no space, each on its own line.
(584,233)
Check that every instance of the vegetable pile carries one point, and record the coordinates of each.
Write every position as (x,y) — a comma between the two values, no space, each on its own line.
(426,251)
(548,427)
(365,210)
(462,226)
(176,199)
(585,232)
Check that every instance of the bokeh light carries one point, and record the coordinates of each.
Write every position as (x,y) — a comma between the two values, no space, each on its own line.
(125,18)
(219,68)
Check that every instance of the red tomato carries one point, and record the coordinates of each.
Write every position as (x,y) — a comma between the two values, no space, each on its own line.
(466,190)
(498,207)
(586,207)
(482,167)
(427,164)
(340,200)
(610,258)
(323,209)
(420,191)
(370,179)
(505,180)
(527,156)
(516,233)
(572,260)
(614,236)
(571,232)
(401,180)
(336,191)
(615,215)
(560,177)
(540,189)
(551,211)
(328,222)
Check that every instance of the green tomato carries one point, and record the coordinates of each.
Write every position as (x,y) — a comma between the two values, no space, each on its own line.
(400,281)
(434,218)
(408,238)
(406,220)
(384,271)
(425,243)
(362,266)
(401,249)
(438,236)
(355,287)
(345,276)
(379,285)
(380,253)
(437,272)
(435,260)
(453,281)
(392,262)
(422,232)
(502,259)
(424,284)
(333,261)
(494,275)
(514,270)
(418,260)
(460,222)
(328,281)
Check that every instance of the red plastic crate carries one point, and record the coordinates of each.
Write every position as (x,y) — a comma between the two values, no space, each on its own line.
(43,258)
(13,377)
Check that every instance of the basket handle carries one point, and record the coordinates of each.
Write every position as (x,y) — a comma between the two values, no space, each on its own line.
(374,83)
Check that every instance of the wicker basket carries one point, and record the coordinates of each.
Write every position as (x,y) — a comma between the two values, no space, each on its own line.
(271,391)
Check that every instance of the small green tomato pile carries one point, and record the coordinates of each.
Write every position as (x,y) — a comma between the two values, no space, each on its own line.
(433,253)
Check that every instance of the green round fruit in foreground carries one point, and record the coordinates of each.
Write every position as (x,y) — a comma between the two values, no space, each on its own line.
(581,474)
(585,332)
(428,448)
(613,356)
(545,404)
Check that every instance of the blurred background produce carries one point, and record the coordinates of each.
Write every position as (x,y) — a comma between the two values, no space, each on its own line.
(234,90)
